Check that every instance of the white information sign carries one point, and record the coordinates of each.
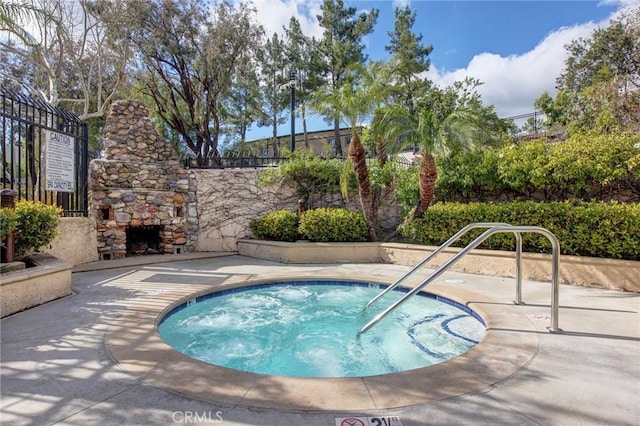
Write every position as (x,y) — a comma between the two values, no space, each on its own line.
(59,162)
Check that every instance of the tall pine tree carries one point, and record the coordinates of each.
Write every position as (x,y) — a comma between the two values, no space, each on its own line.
(410,60)
(340,46)
(273,68)
(302,55)
(243,104)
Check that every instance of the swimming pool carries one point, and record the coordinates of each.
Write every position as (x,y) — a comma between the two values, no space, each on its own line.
(310,329)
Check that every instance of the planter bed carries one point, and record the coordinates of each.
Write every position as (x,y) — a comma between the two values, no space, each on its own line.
(48,280)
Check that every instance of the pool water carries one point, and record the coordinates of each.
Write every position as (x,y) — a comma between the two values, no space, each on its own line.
(310,329)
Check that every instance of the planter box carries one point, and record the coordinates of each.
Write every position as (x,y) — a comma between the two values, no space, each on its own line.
(575,270)
(49,280)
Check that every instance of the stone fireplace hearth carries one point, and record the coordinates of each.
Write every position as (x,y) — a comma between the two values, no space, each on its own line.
(142,200)
(144,239)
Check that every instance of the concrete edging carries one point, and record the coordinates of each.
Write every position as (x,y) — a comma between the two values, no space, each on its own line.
(26,288)
(574,270)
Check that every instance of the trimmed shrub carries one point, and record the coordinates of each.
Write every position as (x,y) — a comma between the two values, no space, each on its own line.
(279,225)
(325,224)
(584,229)
(36,225)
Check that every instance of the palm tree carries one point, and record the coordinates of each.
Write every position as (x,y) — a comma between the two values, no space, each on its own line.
(433,136)
(355,101)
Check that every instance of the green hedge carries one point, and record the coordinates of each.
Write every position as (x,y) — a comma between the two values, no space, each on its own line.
(279,225)
(325,224)
(585,229)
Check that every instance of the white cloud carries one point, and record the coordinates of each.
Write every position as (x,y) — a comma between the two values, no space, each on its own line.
(623,4)
(276,14)
(401,4)
(513,83)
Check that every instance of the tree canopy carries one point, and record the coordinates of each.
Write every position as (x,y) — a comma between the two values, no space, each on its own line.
(210,73)
(599,88)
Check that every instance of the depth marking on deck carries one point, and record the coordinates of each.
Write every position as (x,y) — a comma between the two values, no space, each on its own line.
(368,421)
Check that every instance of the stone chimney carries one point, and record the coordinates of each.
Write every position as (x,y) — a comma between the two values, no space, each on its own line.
(142,200)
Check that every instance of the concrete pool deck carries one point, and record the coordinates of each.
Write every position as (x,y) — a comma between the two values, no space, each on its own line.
(65,362)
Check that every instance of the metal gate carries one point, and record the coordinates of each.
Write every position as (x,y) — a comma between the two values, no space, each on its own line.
(44,153)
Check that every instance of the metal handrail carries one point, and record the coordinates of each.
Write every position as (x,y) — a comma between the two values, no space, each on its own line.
(555,293)
(452,240)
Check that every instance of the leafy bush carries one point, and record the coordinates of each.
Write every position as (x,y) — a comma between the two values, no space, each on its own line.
(407,188)
(382,176)
(326,224)
(280,225)
(36,225)
(587,159)
(469,173)
(585,165)
(7,222)
(585,229)
(524,167)
(311,175)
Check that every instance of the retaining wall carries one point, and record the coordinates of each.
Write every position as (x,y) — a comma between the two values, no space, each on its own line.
(585,271)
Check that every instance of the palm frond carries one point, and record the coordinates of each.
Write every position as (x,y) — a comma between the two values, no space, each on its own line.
(15,13)
(345,174)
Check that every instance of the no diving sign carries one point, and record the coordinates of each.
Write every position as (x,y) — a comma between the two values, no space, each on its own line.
(369,421)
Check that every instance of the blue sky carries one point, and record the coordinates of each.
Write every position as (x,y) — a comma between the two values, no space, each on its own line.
(516,48)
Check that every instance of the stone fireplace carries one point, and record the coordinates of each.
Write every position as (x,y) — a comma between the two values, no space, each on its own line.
(144,239)
(142,200)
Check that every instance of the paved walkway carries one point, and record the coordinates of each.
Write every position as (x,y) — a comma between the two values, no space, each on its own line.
(55,368)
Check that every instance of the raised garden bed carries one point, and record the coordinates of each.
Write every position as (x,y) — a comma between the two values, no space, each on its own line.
(45,278)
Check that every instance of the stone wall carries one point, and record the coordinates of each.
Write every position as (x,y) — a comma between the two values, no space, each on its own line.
(140,184)
(228,199)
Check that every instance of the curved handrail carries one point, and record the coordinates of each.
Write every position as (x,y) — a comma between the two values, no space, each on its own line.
(555,294)
(446,244)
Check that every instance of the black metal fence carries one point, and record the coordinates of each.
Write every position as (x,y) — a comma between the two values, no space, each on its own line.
(44,153)
(523,127)
(233,162)
(528,125)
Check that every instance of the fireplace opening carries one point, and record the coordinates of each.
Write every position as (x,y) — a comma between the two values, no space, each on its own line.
(144,240)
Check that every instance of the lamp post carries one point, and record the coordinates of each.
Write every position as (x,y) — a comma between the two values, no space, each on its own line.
(292,85)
